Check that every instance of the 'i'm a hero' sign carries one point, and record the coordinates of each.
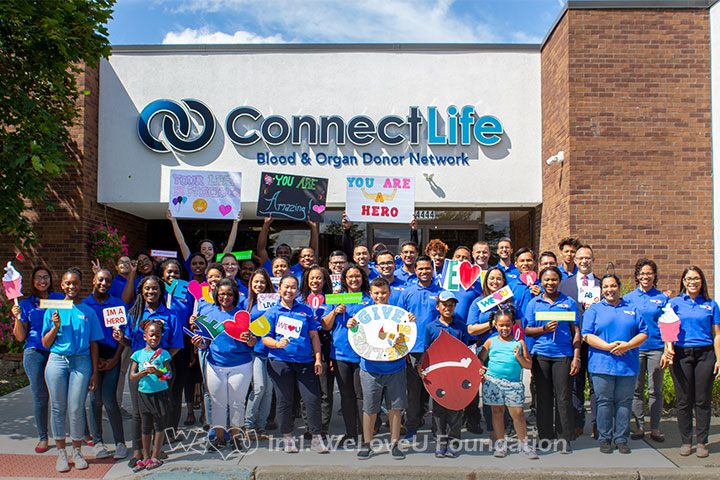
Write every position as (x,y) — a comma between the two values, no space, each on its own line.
(380,199)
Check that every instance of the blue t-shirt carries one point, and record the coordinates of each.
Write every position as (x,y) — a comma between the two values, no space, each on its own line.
(182,307)
(408,278)
(172,330)
(260,349)
(225,351)
(298,350)
(340,348)
(33,315)
(565,273)
(151,383)
(117,286)
(552,344)
(696,320)
(611,323)
(649,305)
(456,328)
(421,302)
(465,300)
(78,327)
(396,288)
(98,308)
(521,295)
(501,361)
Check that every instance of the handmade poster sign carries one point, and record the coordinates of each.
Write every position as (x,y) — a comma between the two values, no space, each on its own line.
(163,253)
(528,278)
(114,316)
(669,324)
(588,295)
(292,196)
(204,194)
(288,327)
(451,372)
(380,199)
(495,299)
(246,255)
(456,274)
(267,300)
(383,333)
(12,283)
(337,298)
(56,304)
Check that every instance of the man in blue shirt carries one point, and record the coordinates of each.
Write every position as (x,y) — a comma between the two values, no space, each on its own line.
(568,247)
(386,266)
(409,255)
(284,250)
(505,252)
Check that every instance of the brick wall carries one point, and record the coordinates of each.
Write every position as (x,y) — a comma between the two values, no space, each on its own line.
(637,173)
(63,233)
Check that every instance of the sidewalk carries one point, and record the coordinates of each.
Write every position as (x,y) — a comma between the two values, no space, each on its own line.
(264,460)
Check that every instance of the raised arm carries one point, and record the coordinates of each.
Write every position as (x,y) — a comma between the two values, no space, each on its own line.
(261,248)
(233,233)
(413,231)
(347,242)
(313,235)
(184,249)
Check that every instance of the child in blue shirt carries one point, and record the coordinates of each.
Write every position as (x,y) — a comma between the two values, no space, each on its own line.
(151,368)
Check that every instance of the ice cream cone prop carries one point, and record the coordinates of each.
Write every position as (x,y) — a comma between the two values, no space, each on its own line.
(12,282)
(669,324)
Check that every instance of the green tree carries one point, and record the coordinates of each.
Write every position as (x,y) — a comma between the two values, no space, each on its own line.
(43,45)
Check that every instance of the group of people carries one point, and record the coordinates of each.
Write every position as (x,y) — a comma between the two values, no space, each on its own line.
(250,382)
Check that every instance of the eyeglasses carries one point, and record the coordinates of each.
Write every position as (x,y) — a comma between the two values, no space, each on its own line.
(42,277)
(645,274)
(692,280)
(341,262)
(386,264)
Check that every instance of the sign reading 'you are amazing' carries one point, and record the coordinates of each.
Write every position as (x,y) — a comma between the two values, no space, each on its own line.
(292,196)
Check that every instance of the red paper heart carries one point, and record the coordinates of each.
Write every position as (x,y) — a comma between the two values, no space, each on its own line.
(528,278)
(468,274)
(518,333)
(239,324)
(315,300)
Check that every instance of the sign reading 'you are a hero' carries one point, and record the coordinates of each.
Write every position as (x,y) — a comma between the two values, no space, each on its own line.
(203,194)
(380,199)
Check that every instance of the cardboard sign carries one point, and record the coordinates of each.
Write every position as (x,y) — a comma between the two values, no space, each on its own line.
(336,281)
(178,288)
(292,196)
(276,281)
(383,333)
(163,253)
(495,299)
(200,290)
(337,298)
(555,316)
(260,326)
(456,274)
(206,327)
(588,295)
(204,194)
(267,300)
(114,316)
(315,301)
(238,325)
(289,327)
(528,278)
(452,372)
(380,199)
(246,255)
(12,282)
(56,304)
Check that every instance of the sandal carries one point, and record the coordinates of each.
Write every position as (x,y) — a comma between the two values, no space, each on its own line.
(190,420)
(153,463)
(140,465)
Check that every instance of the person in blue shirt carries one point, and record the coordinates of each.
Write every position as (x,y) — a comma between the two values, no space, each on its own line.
(294,360)
(386,267)
(109,355)
(71,335)
(382,380)
(694,358)
(229,367)
(346,363)
(446,422)
(28,328)
(504,253)
(284,250)
(613,330)
(568,246)
(436,249)
(315,284)
(140,267)
(122,267)
(649,303)
(151,369)
(555,354)
(547,259)
(260,401)
(408,254)
(418,299)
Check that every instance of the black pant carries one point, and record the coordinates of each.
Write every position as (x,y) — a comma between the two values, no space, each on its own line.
(578,391)
(348,379)
(327,380)
(446,423)
(285,375)
(473,418)
(692,374)
(553,386)
(135,422)
(416,393)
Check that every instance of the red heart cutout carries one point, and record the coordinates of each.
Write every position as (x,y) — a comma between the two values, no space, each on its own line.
(315,300)
(239,324)
(195,289)
(518,333)
(498,295)
(528,278)
(468,274)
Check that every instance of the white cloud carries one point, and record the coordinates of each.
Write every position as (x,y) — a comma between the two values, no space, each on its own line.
(204,35)
(524,37)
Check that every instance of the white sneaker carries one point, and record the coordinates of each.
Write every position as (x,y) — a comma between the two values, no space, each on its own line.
(62,464)
(318,446)
(121,451)
(529,451)
(78,459)
(289,445)
(500,449)
(100,451)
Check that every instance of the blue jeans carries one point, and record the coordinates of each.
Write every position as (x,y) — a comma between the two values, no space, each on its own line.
(67,379)
(34,362)
(614,405)
(258,407)
(104,395)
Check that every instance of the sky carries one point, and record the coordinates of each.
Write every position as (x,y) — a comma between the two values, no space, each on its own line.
(152,22)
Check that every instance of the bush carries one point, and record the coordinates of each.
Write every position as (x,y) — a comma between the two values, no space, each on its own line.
(7,322)
(106,245)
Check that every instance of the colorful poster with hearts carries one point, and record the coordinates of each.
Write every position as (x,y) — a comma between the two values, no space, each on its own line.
(495,299)
(380,199)
(288,327)
(383,333)
(451,372)
(204,194)
(267,300)
(315,300)
(292,197)
(114,316)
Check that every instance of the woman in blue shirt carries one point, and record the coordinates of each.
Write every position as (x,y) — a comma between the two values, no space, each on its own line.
(28,328)
(648,302)
(72,336)
(294,360)
(316,281)
(229,366)
(695,358)
(613,330)
(552,321)
(260,401)
(346,363)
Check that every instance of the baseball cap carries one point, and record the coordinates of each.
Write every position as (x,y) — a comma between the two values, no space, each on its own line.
(446,295)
